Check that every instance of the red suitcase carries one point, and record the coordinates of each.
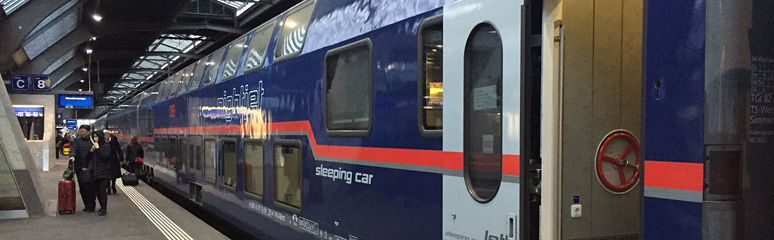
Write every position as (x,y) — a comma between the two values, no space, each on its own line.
(66,196)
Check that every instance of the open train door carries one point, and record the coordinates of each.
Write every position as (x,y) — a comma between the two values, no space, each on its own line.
(481,55)
(592,120)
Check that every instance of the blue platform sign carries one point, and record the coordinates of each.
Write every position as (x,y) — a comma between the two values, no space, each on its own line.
(20,82)
(70,122)
(41,82)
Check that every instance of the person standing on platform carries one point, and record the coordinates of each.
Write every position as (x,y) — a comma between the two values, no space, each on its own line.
(59,144)
(133,151)
(116,157)
(100,158)
(80,155)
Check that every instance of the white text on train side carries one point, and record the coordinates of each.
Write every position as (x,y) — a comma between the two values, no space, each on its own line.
(344,175)
(241,97)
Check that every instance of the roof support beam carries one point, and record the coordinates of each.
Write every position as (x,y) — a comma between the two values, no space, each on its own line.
(50,55)
(198,26)
(101,55)
(16,28)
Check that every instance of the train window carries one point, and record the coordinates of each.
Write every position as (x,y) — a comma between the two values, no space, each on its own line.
(232,58)
(162,91)
(253,182)
(348,81)
(431,73)
(174,81)
(213,64)
(149,121)
(172,150)
(482,130)
(293,32)
(228,167)
(256,53)
(210,155)
(287,173)
(195,152)
(184,80)
(164,152)
(158,145)
(197,75)
(183,147)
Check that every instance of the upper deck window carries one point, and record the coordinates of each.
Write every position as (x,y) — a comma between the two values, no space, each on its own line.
(212,65)
(256,53)
(197,75)
(348,97)
(293,33)
(184,77)
(232,58)
(174,84)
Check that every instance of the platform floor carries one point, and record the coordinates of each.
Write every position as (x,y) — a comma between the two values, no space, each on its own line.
(138,212)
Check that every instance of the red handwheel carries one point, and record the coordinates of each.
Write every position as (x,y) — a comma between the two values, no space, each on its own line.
(618,161)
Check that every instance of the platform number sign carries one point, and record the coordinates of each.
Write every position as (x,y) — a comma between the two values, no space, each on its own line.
(41,82)
(20,82)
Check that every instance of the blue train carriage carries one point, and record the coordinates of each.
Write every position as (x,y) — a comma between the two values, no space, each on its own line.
(315,125)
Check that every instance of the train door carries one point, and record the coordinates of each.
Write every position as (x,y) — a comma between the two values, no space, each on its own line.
(592,120)
(481,55)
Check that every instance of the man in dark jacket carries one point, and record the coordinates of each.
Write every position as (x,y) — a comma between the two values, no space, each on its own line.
(80,155)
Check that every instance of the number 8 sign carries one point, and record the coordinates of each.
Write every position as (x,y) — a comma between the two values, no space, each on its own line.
(41,82)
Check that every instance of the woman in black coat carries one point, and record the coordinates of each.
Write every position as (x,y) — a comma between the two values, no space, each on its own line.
(116,157)
(100,160)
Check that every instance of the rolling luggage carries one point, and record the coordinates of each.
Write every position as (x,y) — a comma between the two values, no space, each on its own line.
(66,196)
(129,179)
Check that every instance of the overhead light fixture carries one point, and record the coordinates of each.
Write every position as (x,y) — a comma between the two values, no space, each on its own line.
(96,17)
(85,69)
(93,38)
(80,90)
(83,80)
(89,50)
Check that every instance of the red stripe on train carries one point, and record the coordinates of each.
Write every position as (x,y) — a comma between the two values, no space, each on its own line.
(675,175)
(419,157)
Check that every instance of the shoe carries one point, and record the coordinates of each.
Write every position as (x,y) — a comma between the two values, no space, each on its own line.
(88,210)
(114,190)
(102,212)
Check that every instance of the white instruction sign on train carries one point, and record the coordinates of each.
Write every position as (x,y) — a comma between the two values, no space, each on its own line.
(485,97)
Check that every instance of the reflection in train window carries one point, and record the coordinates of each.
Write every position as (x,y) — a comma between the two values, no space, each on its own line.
(213,64)
(348,81)
(482,132)
(174,84)
(253,152)
(232,58)
(228,167)
(256,54)
(431,73)
(185,76)
(183,147)
(172,153)
(197,75)
(287,174)
(293,33)
(195,151)
(210,154)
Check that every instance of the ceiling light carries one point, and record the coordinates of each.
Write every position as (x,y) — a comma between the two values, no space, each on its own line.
(82,80)
(85,69)
(89,50)
(96,17)
(80,90)
(93,38)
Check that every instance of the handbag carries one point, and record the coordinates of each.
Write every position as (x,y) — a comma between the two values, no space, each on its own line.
(69,172)
(87,175)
